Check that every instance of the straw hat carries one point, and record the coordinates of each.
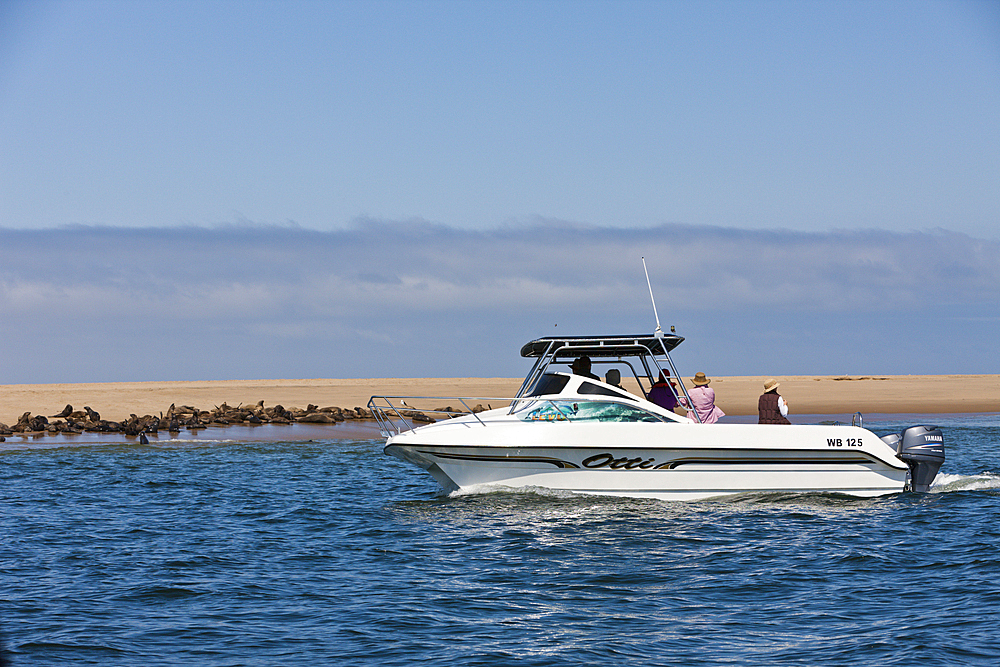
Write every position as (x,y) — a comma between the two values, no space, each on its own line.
(771,384)
(700,380)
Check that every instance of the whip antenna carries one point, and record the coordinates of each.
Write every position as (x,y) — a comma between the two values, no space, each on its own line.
(659,331)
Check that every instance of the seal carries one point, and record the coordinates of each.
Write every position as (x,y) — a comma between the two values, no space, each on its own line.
(66,412)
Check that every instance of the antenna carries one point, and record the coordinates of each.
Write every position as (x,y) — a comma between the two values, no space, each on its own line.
(659,331)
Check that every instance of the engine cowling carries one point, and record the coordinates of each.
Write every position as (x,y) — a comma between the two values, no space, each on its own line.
(922,448)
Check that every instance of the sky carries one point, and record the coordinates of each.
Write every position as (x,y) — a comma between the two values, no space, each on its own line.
(289,189)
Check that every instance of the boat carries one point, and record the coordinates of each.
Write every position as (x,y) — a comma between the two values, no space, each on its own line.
(567,432)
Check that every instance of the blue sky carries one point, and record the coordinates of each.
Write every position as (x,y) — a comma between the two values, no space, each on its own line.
(851,149)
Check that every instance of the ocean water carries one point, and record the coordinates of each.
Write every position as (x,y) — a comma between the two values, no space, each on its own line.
(223,550)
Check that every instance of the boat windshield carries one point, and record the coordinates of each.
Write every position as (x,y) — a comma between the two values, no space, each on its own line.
(601,411)
(591,388)
(549,384)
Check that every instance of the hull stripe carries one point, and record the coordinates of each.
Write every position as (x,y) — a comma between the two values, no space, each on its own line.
(669,465)
(559,463)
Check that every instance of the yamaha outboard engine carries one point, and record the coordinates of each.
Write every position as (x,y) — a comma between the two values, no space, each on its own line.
(922,448)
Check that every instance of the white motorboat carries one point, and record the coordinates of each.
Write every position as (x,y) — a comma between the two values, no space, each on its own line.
(569,432)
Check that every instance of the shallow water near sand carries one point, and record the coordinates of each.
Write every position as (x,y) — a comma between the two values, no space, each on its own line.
(228,550)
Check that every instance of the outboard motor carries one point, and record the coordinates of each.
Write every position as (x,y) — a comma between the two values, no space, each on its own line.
(892,440)
(922,448)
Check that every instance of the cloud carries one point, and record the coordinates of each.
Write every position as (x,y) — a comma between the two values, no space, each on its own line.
(417,298)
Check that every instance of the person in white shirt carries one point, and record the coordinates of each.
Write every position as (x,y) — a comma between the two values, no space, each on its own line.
(771,407)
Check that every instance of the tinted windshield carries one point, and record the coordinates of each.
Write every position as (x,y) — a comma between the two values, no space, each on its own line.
(591,388)
(549,384)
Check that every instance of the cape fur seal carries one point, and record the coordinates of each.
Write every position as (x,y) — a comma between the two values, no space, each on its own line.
(66,412)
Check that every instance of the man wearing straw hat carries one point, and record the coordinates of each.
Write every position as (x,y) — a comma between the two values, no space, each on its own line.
(703,400)
(771,407)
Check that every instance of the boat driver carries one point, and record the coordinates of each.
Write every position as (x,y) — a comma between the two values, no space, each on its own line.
(581,366)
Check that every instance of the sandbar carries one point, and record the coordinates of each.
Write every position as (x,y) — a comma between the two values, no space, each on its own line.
(893,394)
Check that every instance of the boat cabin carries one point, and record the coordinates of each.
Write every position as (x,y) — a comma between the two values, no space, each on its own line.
(642,360)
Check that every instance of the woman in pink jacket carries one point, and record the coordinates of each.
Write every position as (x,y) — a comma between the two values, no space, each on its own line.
(703,399)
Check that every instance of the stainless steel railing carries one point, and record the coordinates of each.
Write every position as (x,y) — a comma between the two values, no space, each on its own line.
(394,419)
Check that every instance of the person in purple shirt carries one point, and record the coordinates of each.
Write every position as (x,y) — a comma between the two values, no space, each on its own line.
(663,393)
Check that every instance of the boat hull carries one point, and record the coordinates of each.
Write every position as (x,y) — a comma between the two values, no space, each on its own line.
(664,461)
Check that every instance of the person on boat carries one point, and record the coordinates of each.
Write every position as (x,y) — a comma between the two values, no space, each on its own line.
(703,401)
(581,366)
(663,392)
(771,407)
(613,377)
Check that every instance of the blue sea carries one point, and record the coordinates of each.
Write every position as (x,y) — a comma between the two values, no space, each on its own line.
(261,547)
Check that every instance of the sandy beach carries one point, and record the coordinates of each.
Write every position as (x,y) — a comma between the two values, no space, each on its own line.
(735,395)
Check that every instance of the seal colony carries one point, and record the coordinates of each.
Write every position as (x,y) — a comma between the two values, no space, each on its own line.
(176,418)
(806,395)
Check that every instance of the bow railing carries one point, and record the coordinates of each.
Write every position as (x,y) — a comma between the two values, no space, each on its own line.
(396,414)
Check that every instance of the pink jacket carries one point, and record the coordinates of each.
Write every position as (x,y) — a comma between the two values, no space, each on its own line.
(703,399)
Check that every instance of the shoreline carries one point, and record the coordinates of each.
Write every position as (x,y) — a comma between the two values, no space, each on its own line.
(364,430)
(736,395)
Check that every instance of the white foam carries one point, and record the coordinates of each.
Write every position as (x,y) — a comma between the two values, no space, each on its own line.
(986,481)
(484,489)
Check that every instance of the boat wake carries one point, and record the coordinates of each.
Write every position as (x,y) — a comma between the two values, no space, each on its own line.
(986,481)
(498,489)
(943,483)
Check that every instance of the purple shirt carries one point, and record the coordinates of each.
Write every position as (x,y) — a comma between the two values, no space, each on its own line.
(662,395)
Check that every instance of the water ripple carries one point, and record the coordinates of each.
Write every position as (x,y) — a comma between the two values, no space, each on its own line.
(291,553)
